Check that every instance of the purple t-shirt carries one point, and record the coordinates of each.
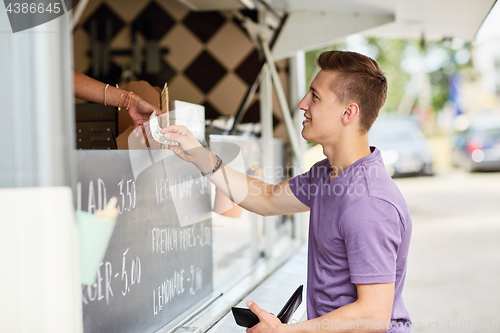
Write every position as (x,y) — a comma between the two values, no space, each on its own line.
(359,233)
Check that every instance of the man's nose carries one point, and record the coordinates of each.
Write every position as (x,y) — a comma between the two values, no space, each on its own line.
(303,103)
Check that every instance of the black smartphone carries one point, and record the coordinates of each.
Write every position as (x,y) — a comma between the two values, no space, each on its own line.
(246,318)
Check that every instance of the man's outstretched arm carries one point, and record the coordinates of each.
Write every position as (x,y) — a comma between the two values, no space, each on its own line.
(250,193)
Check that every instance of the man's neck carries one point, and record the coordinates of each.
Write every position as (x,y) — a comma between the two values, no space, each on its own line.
(343,154)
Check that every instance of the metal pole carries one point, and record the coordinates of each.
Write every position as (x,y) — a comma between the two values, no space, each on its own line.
(266,119)
(267,134)
(297,91)
(292,133)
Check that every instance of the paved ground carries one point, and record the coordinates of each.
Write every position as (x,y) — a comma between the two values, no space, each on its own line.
(454,265)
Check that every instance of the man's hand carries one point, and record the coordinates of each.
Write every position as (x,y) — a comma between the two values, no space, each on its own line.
(268,322)
(188,148)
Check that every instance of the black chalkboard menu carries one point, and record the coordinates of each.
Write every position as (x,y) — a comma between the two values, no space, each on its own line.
(159,260)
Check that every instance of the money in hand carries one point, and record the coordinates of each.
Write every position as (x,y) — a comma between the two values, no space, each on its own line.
(155,130)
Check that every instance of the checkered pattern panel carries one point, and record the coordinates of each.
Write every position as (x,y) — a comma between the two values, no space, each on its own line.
(206,57)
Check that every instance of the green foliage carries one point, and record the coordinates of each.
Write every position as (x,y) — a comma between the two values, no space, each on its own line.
(441,77)
(390,55)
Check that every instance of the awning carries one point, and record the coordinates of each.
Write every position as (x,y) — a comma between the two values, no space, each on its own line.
(315,23)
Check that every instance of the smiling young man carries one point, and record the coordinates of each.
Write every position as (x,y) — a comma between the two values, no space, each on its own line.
(360,226)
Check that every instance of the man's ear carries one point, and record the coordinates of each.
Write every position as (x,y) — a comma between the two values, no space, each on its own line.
(350,113)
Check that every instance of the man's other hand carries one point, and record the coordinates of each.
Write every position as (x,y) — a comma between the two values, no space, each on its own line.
(268,322)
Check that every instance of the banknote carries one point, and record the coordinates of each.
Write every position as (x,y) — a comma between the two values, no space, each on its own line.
(155,130)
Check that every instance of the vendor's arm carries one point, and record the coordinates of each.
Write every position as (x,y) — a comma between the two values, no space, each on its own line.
(250,193)
(93,91)
(371,312)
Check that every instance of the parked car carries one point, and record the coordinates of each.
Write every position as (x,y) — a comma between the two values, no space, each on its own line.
(477,148)
(404,148)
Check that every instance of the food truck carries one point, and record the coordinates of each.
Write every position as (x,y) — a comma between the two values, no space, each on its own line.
(180,254)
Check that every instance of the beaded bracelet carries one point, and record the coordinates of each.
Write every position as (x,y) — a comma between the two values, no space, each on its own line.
(126,98)
(218,164)
(119,99)
(129,101)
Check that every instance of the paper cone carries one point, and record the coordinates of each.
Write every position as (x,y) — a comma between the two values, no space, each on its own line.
(94,234)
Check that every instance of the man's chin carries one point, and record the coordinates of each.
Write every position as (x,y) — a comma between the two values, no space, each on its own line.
(304,134)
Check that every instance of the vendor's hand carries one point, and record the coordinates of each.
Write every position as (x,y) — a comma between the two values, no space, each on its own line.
(188,148)
(268,322)
(140,110)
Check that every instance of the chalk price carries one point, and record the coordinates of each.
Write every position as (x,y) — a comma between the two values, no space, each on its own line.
(135,273)
(129,197)
(98,195)
(130,275)
(174,286)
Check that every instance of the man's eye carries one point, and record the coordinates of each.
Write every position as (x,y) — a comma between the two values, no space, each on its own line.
(314,95)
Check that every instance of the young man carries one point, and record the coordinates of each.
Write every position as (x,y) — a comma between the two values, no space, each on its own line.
(360,226)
